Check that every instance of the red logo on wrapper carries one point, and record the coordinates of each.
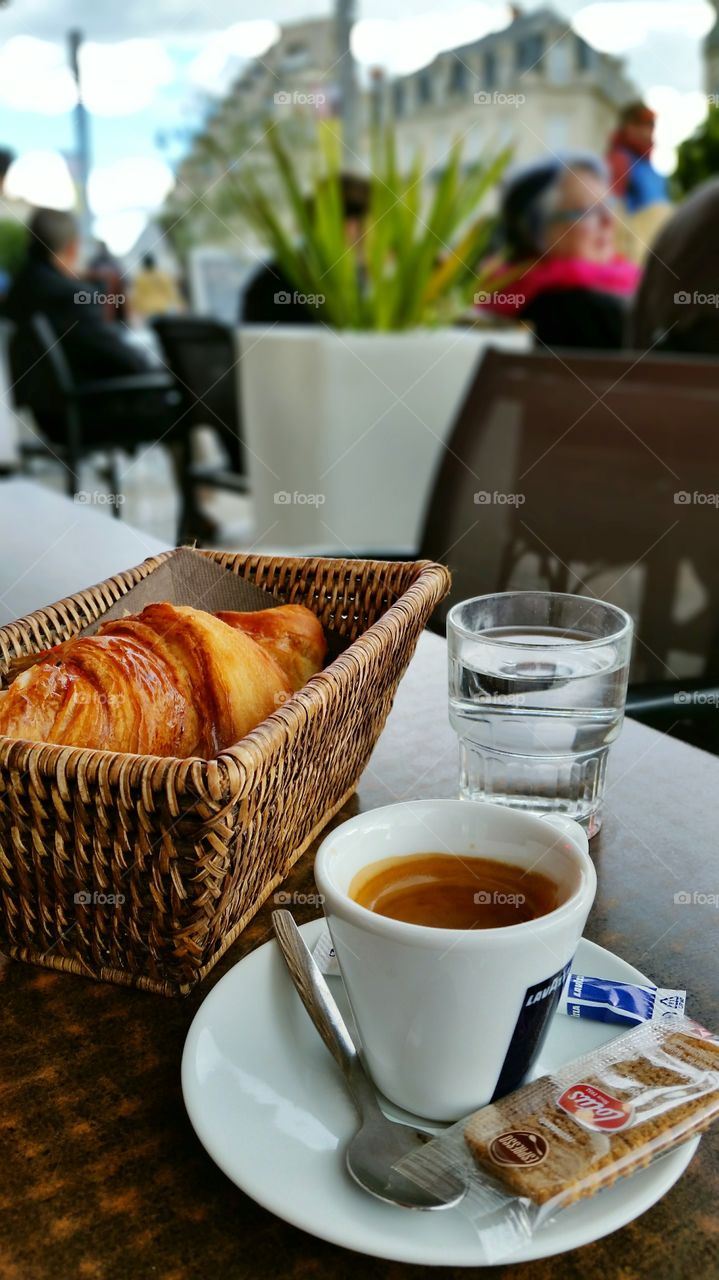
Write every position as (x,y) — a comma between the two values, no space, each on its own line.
(594,1108)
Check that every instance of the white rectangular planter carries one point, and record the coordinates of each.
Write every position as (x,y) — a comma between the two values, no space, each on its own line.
(344,429)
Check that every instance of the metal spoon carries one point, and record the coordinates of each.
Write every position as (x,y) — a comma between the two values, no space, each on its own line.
(379,1142)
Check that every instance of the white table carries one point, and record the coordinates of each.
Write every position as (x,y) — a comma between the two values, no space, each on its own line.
(51,546)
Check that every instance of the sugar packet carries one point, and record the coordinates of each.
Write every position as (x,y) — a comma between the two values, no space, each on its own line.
(529,1156)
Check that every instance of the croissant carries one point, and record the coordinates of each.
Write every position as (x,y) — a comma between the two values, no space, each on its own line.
(171,681)
(291,634)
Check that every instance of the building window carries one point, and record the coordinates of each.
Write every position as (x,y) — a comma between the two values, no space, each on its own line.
(557,131)
(399,99)
(529,52)
(490,70)
(559,61)
(296,57)
(424,87)
(585,54)
(458,75)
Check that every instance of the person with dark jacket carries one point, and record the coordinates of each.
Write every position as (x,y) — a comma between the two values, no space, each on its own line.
(677,307)
(48,283)
(271,298)
(559,270)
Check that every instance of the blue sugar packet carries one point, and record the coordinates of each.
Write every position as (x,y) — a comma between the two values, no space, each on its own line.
(604,1000)
(600,999)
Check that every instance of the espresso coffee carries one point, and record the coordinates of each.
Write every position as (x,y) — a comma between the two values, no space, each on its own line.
(448,891)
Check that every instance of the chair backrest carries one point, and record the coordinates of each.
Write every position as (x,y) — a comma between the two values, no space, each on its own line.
(42,379)
(203,356)
(592,474)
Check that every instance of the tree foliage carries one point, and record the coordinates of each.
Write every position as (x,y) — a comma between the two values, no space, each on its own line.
(698,156)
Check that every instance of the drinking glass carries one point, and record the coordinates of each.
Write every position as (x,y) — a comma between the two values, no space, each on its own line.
(537,686)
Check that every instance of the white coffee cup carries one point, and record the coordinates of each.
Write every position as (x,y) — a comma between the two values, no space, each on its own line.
(448,1016)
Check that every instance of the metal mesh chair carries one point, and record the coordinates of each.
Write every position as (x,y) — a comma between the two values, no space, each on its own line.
(202,355)
(599,475)
(82,418)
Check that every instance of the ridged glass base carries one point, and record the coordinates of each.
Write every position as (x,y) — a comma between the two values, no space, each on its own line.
(572,785)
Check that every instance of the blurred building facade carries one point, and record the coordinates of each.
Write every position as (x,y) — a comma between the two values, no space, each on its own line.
(292,83)
(536,86)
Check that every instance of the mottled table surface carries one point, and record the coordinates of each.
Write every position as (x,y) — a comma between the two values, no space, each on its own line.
(102,1175)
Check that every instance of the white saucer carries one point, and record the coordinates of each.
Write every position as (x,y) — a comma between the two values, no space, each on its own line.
(269,1105)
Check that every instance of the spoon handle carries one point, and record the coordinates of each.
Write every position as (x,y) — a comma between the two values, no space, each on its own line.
(315,994)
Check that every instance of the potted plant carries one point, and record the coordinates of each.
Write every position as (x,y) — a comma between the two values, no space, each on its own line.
(345,417)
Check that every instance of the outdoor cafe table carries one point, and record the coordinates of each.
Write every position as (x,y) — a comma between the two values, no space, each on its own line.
(102,1175)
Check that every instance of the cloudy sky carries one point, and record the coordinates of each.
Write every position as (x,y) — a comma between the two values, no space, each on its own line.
(150,70)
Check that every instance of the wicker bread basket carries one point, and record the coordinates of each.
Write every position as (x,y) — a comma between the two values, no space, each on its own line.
(141,870)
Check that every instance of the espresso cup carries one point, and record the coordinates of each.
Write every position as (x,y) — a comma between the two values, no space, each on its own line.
(452,1018)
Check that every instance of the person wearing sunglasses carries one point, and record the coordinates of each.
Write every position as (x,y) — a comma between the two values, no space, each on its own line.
(558,268)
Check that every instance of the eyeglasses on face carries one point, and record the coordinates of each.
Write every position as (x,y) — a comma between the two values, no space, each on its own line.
(600,211)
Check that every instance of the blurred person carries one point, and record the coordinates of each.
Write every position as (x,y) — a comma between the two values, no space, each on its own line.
(559,269)
(13,234)
(677,307)
(637,184)
(154,292)
(103,259)
(105,270)
(633,176)
(48,282)
(270,297)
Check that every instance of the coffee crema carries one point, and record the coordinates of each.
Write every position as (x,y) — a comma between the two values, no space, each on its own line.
(448,891)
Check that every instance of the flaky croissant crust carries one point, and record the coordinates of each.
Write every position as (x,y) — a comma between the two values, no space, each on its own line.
(171,681)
